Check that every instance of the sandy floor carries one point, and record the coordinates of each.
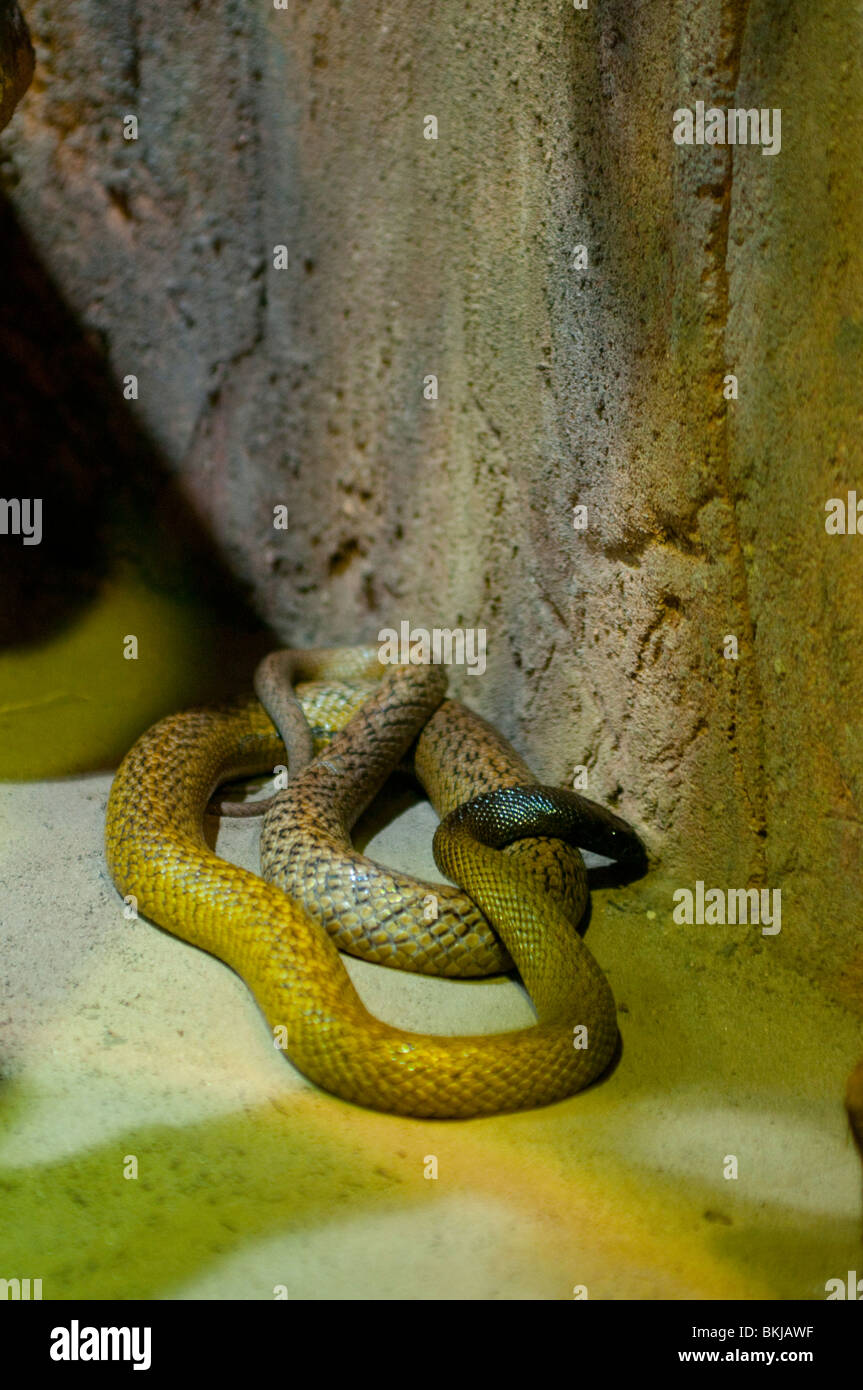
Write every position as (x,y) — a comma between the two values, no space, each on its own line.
(120,1044)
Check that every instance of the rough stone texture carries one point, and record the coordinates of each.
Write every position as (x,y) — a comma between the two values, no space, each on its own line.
(558,386)
(16,59)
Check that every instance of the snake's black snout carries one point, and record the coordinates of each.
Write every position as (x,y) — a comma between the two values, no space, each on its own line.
(500,817)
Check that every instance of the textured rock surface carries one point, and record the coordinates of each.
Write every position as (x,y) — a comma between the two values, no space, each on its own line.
(558,386)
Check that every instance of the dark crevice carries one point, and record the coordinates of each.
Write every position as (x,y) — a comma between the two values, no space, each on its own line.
(109,500)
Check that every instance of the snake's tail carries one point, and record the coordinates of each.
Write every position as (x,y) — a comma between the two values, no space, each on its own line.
(340,785)
(274,681)
(274,686)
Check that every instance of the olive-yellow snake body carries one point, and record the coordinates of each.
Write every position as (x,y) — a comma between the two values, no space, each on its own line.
(522,888)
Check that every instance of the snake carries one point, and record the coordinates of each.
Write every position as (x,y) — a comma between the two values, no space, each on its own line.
(509,843)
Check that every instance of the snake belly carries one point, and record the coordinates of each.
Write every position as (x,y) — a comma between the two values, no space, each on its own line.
(157,852)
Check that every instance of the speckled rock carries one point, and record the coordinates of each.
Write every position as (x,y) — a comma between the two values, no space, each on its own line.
(560,384)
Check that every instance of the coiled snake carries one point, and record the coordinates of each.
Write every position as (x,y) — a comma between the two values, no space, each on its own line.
(502,837)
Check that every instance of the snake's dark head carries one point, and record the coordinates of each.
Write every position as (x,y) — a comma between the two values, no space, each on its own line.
(618,841)
(499,817)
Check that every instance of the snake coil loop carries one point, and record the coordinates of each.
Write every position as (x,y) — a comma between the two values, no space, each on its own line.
(517,903)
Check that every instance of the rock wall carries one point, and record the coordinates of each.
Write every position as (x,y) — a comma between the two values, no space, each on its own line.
(561,384)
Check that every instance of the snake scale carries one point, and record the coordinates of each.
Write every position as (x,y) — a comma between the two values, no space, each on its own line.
(509,843)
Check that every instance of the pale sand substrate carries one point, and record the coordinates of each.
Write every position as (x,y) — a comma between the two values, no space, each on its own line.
(120,1043)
